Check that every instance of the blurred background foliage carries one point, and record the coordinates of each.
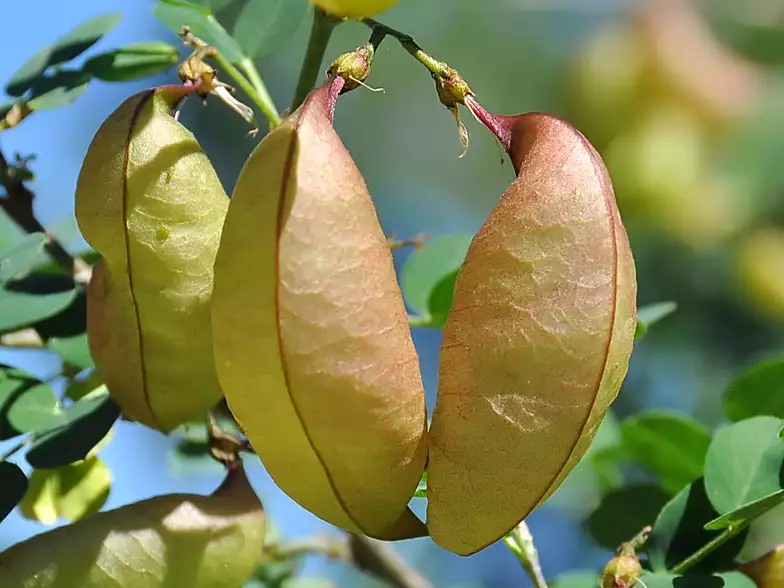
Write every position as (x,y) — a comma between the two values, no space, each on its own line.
(685,100)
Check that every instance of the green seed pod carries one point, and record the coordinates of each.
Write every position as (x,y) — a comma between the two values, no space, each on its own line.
(311,336)
(172,540)
(149,202)
(538,339)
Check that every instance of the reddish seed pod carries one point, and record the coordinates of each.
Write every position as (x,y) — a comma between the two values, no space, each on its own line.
(538,340)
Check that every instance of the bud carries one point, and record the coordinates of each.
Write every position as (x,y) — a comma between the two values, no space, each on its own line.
(622,571)
(538,339)
(311,336)
(150,203)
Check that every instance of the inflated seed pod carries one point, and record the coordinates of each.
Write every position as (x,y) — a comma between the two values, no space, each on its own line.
(149,202)
(311,336)
(354,8)
(171,540)
(538,340)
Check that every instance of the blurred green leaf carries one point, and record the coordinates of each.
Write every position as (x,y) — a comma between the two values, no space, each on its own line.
(438,261)
(679,531)
(622,513)
(36,409)
(74,350)
(421,491)
(22,257)
(747,512)
(647,316)
(577,579)
(744,463)
(70,492)
(13,488)
(753,31)
(84,36)
(31,70)
(441,300)
(87,422)
(82,385)
(13,383)
(757,391)
(264,26)
(20,309)
(671,446)
(132,62)
(176,14)
(729,580)
(67,47)
(58,90)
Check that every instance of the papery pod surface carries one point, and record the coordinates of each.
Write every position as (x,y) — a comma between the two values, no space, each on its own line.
(767,571)
(537,342)
(172,540)
(312,344)
(150,203)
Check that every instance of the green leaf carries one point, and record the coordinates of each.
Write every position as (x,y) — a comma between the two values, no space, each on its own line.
(577,579)
(757,391)
(132,62)
(624,512)
(679,531)
(647,316)
(71,45)
(22,257)
(13,488)
(74,350)
(87,422)
(669,445)
(176,14)
(264,26)
(84,36)
(31,70)
(21,309)
(58,90)
(441,300)
(425,269)
(744,463)
(71,492)
(13,383)
(747,512)
(36,409)
(729,580)
(421,491)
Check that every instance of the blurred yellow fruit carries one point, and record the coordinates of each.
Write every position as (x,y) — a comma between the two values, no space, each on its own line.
(354,8)
(768,571)
(760,268)
(605,82)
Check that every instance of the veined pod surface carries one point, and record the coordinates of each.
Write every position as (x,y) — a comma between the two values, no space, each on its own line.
(150,203)
(172,540)
(311,336)
(538,340)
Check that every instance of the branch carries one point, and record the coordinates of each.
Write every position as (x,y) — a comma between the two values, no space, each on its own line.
(18,205)
(378,559)
(320,34)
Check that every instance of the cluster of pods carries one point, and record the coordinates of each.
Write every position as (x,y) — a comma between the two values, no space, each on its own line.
(284,299)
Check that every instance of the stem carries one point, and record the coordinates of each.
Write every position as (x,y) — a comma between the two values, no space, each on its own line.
(521,543)
(378,559)
(435,67)
(261,95)
(709,548)
(15,448)
(18,205)
(320,34)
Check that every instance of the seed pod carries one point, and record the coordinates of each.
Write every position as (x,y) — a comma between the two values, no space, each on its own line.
(767,571)
(311,336)
(176,539)
(149,202)
(354,8)
(538,340)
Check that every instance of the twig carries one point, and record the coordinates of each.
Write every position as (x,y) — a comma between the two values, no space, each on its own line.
(320,34)
(704,551)
(378,559)
(18,205)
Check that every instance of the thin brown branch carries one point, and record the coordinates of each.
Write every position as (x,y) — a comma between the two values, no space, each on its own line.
(18,205)
(380,560)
